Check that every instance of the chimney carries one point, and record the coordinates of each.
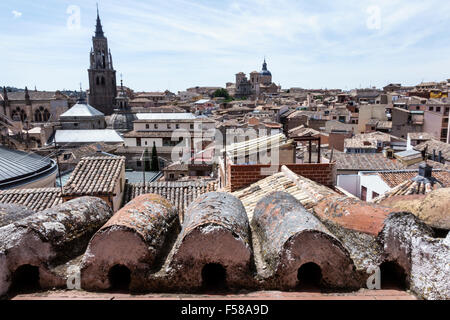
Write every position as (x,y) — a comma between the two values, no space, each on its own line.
(434,155)
(440,157)
(425,170)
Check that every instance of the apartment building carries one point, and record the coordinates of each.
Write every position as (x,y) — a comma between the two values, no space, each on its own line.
(158,129)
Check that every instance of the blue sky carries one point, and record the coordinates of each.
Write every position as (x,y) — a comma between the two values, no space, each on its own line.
(176,44)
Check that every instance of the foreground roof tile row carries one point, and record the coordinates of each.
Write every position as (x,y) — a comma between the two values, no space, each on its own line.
(34,199)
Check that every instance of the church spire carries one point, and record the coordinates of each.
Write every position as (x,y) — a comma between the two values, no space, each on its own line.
(5,94)
(264,65)
(27,97)
(99,29)
(81,99)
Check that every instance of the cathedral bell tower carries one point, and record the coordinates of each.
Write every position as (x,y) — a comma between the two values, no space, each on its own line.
(102,76)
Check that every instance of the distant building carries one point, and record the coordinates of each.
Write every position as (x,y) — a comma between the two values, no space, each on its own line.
(82,116)
(406,121)
(416,138)
(259,83)
(77,138)
(436,120)
(102,76)
(33,107)
(101,176)
(158,129)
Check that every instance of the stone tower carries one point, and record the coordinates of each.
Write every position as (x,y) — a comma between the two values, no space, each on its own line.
(102,76)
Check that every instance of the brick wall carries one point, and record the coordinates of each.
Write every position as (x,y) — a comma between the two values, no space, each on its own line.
(241,176)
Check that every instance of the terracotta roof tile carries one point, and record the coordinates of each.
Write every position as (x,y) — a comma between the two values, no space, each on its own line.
(34,199)
(180,194)
(395,178)
(306,191)
(95,175)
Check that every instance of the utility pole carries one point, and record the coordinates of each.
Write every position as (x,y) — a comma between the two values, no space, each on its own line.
(57,160)
(143,168)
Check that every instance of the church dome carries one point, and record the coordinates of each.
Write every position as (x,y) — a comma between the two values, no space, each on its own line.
(264,71)
(122,121)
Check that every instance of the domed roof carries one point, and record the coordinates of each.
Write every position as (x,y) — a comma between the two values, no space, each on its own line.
(122,121)
(264,71)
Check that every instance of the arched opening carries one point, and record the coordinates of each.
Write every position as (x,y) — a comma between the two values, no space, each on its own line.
(119,278)
(25,280)
(46,116)
(309,276)
(214,277)
(393,276)
(37,116)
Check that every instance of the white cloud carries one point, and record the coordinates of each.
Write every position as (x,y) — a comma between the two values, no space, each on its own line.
(16,14)
(187,42)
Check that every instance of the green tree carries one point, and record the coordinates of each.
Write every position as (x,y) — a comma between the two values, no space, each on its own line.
(147,166)
(155,161)
(222,93)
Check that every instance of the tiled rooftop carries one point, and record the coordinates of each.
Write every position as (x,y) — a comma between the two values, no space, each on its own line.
(34,199)
(305,190)
(365,162)
(180,194)
(395,178)
(435,145)
(95,175)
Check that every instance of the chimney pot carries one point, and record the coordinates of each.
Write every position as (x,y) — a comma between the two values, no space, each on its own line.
(425,170)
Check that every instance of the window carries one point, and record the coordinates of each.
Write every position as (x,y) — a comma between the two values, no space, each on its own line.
(192,127)
(430,108)
(418,108)
(177,126)
(438,109)
(138,142)
(363,193)
(169,126)
(375,195)
(138,163)
(156,126)
(147,126)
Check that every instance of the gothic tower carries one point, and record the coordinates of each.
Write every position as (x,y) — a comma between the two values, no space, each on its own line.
(102,76)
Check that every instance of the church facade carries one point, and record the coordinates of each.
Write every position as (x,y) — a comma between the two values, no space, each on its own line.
(259,83)
(102,76)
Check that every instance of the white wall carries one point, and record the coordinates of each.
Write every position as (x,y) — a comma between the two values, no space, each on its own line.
(372,182)
(349,182)
(130,142)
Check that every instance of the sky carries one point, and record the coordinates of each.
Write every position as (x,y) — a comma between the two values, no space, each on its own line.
(177,44)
